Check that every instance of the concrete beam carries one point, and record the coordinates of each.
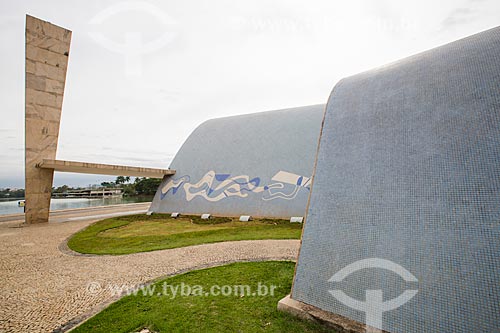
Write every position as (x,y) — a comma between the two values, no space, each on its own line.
(102,169)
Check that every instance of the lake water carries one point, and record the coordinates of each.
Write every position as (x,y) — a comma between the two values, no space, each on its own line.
(11,207)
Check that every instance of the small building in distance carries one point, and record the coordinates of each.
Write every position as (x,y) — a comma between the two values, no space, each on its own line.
(90,193)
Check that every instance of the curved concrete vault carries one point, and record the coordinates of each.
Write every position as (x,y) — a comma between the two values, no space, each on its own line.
(256,164)
(408,172)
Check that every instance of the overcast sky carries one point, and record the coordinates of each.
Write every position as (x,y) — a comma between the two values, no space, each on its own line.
(143,74)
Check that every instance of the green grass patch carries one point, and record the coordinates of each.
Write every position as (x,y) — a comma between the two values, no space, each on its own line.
(141,233)
(213,313)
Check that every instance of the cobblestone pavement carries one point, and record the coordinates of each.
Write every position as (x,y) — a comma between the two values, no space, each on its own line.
(44,288)
(88,213)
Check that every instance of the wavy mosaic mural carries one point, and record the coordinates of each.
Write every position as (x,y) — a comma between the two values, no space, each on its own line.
(218,186)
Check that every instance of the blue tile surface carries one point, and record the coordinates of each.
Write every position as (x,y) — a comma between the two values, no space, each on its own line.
(408,170)
(257,164)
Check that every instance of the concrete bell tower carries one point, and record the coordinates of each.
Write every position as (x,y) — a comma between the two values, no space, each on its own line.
(47,52)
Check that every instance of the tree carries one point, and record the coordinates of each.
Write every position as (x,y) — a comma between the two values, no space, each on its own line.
(147,185)
(10,193)
(120,180)
(61,189)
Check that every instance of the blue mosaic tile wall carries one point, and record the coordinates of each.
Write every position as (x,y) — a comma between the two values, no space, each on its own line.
(256,164)
(408,170)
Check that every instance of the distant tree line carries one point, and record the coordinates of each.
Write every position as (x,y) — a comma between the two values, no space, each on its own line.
(140,186)
(8,193)
(64,189)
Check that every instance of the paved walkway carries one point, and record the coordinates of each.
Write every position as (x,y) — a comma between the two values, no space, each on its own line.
(75,214)
(43,288)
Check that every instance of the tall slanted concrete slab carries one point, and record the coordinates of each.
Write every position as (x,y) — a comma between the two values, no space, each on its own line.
(408,170)
(47,50)
(257,164)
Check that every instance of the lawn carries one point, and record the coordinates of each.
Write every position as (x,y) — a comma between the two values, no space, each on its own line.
(197,312)
(141,233)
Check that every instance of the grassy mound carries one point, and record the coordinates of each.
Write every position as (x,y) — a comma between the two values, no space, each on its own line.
(141,233)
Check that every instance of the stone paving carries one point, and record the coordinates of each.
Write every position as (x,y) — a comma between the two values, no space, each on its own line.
(44,287)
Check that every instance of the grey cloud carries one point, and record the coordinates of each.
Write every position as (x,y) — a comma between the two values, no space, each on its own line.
(459,16)
(146,160)
(229,58)
(135,151)
(107,159)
